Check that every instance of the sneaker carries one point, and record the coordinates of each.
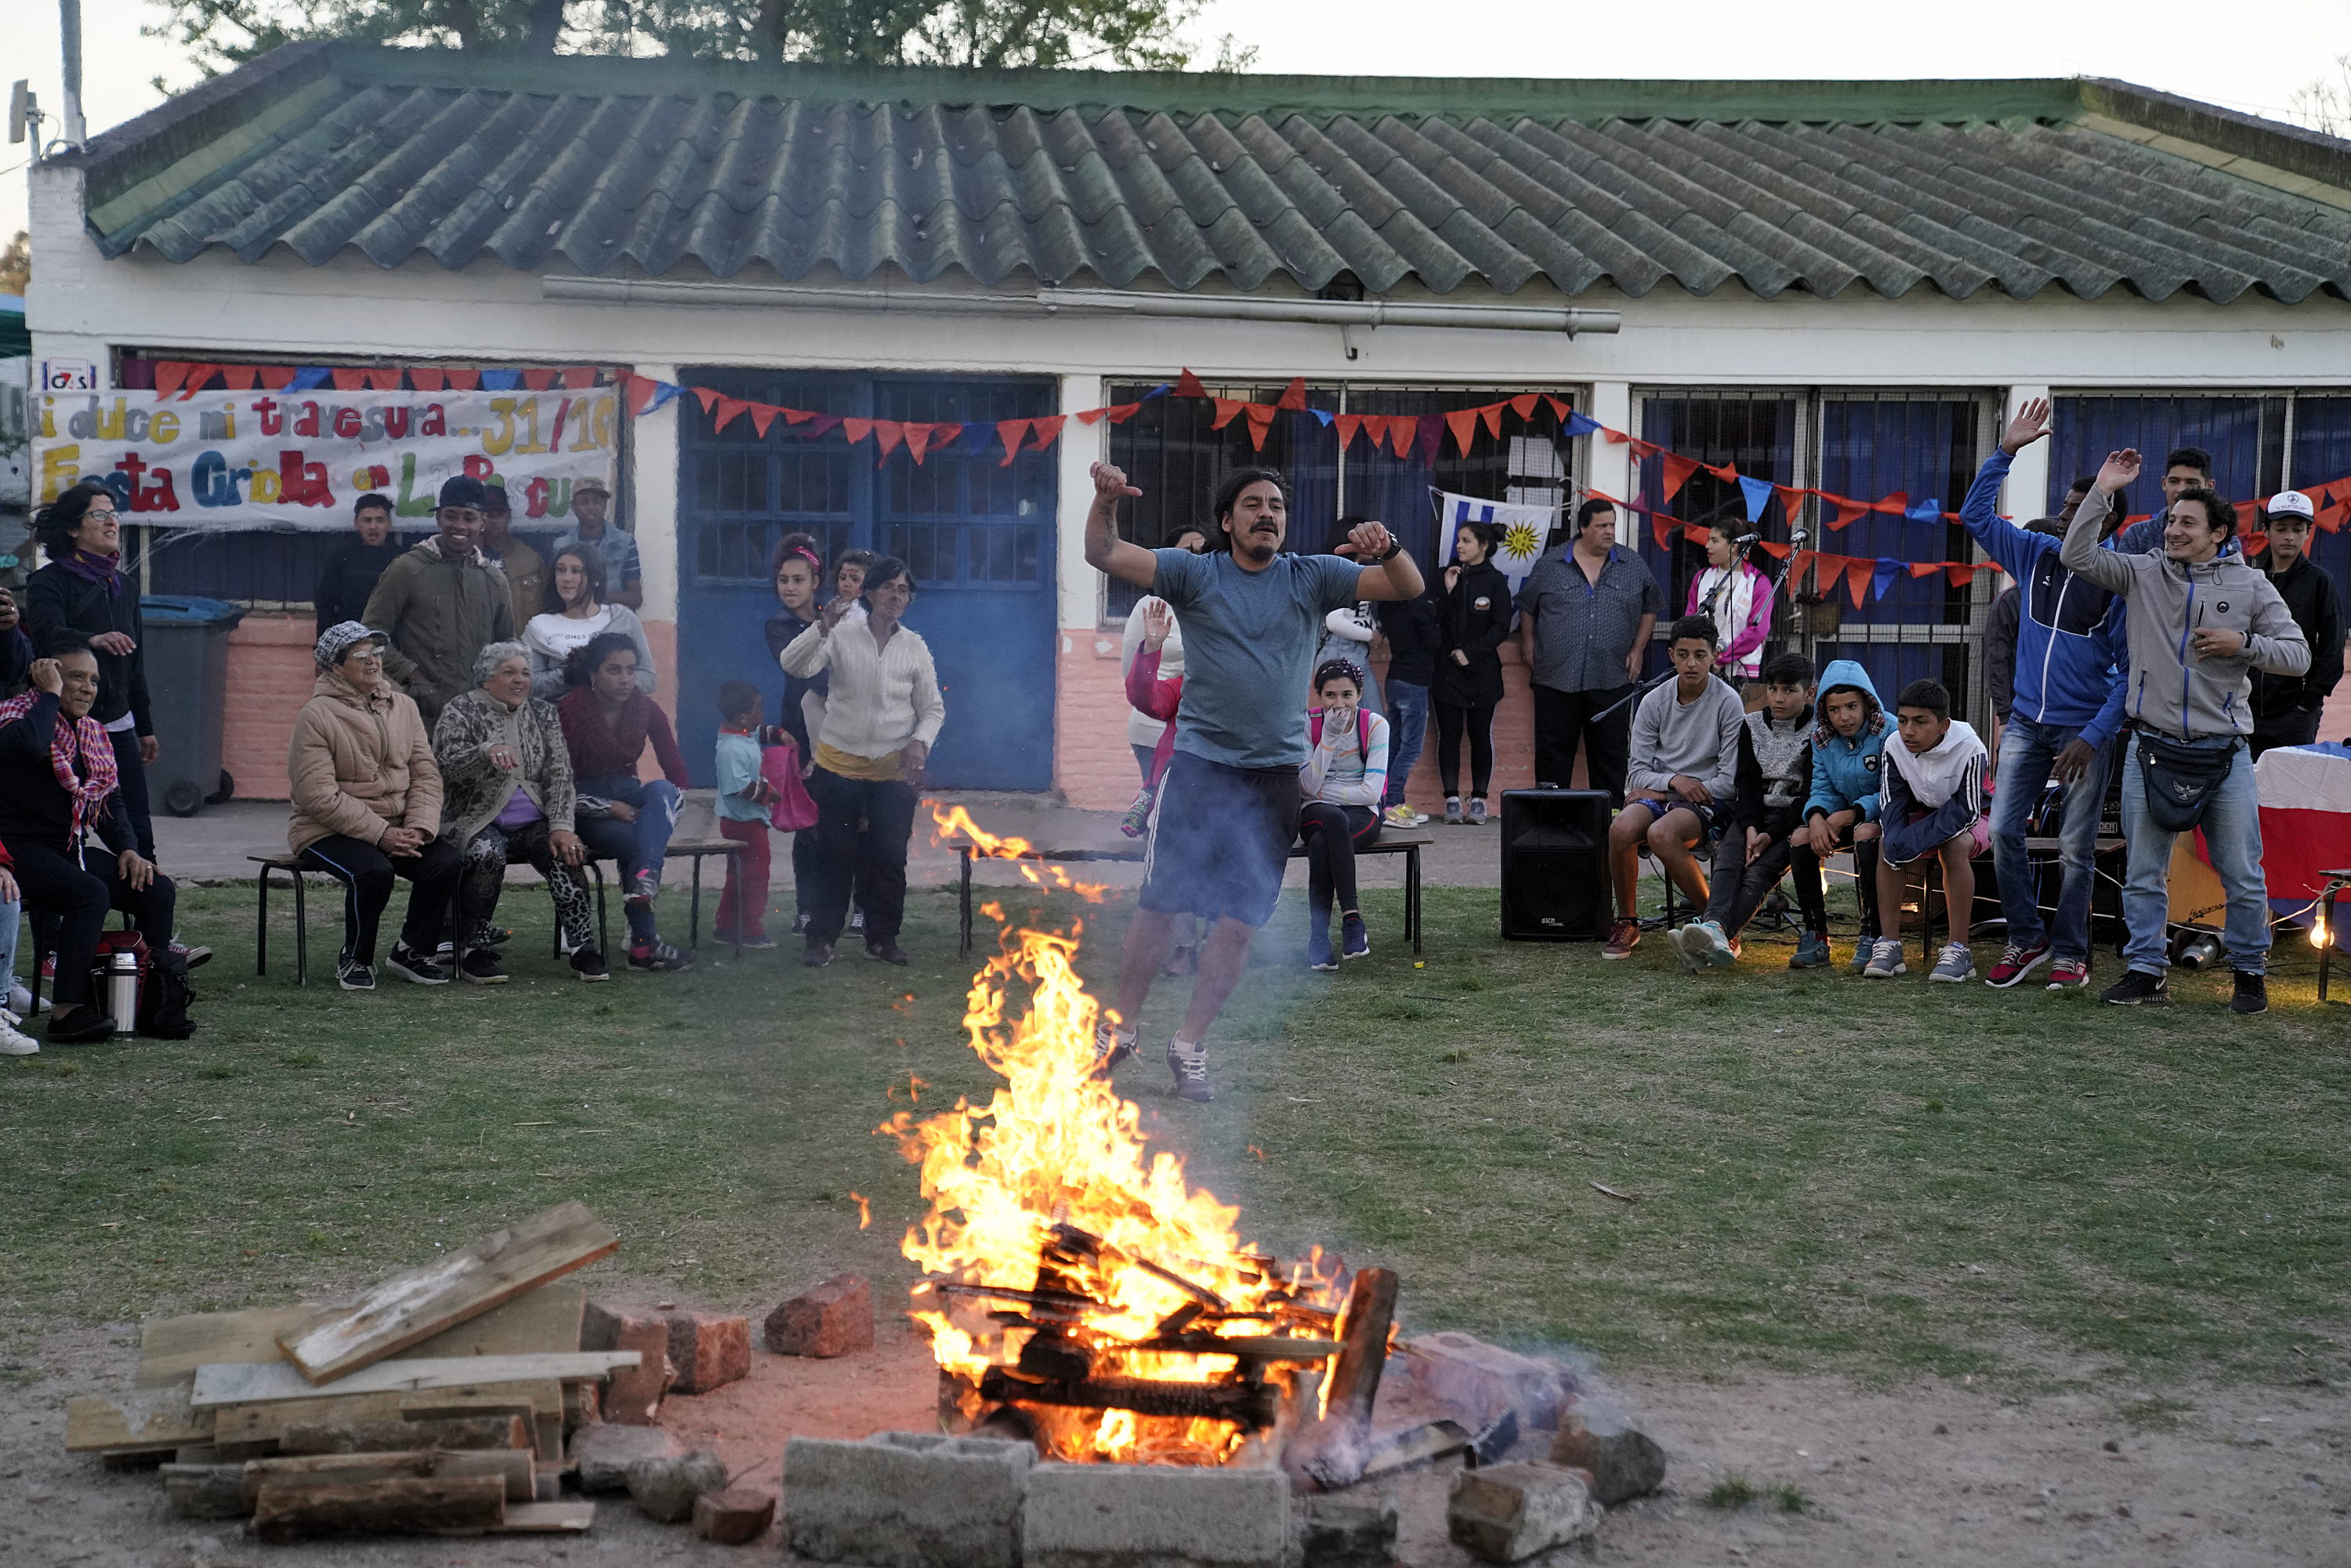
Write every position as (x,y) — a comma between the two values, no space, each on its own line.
(1476,812)
(2137,988)
(16,1042)
(758,940)
(84,1025)
(1399,816)
(1113,1045)
(20,1002)
(1319,956)
(1191,1071)
(817,956)
(1690,944)
(1954,964)
(354,976)
(645,886)
(1719,950)
(410,965)
(1453,817)
(193,958)
(857,920)
(1884,960)
(2068,974)
(887,953)
(1811,951)
(1354,939)
(2015,964)
(1865,947)
(482,967)
(658,955)
(590,966)
(2252,994)
(1622,937)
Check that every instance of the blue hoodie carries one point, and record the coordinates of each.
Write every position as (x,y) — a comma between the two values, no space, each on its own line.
(1845,772)
(2069,631)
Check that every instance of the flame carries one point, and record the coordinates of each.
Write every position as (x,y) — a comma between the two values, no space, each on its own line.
(954,820)
(1054,1152)
(864,1210)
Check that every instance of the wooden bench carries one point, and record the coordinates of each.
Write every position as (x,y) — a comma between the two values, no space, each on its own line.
(1405,841)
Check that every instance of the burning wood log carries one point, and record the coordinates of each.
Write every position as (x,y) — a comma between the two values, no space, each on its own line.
(1332,1452)
(1248,1405)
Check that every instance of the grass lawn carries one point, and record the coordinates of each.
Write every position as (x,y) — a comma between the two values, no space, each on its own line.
(1870,1177)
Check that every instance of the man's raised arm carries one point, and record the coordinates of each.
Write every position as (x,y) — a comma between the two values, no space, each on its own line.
(1394,579)
(1105,551)
(2110,569)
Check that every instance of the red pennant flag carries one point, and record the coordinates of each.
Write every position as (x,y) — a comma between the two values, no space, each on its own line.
(1120,412)
(578,376)
(470,379)
(1492,414)
(1350,426)
(1045,431)
(1960,573)
(383,380)
(538,381)
(278,378)
(1615,437)
(1927,568)
(1260,419)
(801,416)
(703,395)
(1463,422)
(1644,449)
(1189,385)
(945,434)
(1402,431)
(1091,415)
(856,430)
(1677,472)
(1895,505)
(429,380)
(1559,409)
(345,381)
(1791,500)
(1773,548)
(918,441)
(763,415)
(1858,578)
(1728,473)
(729,409)
(1228,410)
(240,378)
(889,431)
(169,374)
(1293,396)
(1012,431)
(1523,406)
(1848,511)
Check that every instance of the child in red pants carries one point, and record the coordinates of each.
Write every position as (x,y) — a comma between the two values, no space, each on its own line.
(742,809)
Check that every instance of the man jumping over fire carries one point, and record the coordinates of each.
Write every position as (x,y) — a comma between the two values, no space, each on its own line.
(1228,807)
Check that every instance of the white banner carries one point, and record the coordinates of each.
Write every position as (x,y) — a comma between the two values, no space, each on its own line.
(264,459)
(1523,529)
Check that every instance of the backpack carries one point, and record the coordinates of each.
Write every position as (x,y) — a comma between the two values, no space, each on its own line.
(1363,728)
(164,991)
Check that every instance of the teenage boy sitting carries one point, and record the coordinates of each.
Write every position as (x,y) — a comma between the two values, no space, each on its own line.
(1762,842)
(1932,805)
(1848,754)
(1684,758)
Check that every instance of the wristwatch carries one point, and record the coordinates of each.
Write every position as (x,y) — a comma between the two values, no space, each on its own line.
(1395,548)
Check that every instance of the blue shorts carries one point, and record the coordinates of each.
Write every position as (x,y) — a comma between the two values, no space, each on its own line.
(1221,838)
(1709,823)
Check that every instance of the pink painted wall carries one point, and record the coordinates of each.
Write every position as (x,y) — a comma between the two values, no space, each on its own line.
(269,679)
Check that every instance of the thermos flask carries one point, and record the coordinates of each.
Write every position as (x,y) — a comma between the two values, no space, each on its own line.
(122,989)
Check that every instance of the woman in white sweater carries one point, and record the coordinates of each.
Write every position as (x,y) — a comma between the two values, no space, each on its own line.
(575,589)
(881,715)
(1343,780)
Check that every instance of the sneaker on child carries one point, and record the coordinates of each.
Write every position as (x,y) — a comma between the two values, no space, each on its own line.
(1355,938)
(1319,956)
(1453,817)
(2252,994)
(2069,974)
(1476,812)
(1884,960)
(1954,964)
(1622,937)
(1811,951)
(2016,962)
(482,967)
(14,1041)
(658,955)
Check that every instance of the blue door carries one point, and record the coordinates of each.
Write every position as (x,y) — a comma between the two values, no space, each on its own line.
(977,534)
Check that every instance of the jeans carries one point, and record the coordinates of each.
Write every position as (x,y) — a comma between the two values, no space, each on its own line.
(367,873)
(862,831)
(1602,722)
(638,847)
(1407,727)
(12,916)
(2026,750)
(2232,837)
(1738,888)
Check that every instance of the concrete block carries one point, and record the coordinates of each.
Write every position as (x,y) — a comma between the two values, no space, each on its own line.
(1155,1516)
(605,1451)
(664,1489)
(1477,1382)
(632,1395)
(707,1351)
(1507,1512)
(733,1516)
(1624,1464)
(907,1500)
(1337,1533)
(831,1319)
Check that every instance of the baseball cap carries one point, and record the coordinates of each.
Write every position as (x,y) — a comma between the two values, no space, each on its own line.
(2291,501)
(464,490)
(497,498)
(339,639)
(590,485)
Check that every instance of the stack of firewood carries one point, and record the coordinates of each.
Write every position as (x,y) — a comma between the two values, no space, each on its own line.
(438,1402)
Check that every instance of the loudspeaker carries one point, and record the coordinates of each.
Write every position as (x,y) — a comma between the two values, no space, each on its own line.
(1554,865)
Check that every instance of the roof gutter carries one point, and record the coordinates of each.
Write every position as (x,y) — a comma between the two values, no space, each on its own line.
(1052,301)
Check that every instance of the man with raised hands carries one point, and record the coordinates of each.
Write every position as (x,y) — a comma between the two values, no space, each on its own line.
(1228,806)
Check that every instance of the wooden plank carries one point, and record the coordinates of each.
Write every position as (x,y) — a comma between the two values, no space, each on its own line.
(512,1467)
(544,1519)
(266,1421)
(398,1437)
(246,1385)
(539,1404)
(171,1349)
(413,1306)
(146,1418)
(300,1511)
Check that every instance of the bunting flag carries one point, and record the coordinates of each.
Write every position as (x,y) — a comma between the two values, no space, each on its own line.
(1677,472)
(1012,432)
(1759,495)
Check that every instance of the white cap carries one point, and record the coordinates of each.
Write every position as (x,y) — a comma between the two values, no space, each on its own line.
(2293,501)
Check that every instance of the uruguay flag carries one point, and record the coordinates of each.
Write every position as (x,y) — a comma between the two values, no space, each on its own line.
(1524,528)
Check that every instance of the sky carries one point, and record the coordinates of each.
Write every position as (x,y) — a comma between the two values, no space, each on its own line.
(2248,56)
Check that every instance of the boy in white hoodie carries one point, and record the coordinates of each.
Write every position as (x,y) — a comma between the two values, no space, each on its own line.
(1932,804)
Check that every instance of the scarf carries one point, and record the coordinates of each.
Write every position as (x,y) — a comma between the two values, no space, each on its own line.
(625,736)
(85,737)
(104,569)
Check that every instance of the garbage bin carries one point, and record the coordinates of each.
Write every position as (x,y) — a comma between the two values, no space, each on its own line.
(187,693)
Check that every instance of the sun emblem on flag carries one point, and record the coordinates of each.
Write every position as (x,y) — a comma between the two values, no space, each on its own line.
(1519,540)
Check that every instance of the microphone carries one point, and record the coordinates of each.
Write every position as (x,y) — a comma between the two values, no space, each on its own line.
(1747,538)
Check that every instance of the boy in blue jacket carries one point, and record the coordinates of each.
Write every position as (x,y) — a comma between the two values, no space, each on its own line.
(1931,804)
(2066,711)
(1848,751)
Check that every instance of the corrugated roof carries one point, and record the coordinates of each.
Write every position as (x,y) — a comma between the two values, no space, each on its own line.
(641,168)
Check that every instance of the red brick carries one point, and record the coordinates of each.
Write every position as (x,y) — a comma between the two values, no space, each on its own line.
(633,1395)
(708,1350)
(733,1516)
(827,1320)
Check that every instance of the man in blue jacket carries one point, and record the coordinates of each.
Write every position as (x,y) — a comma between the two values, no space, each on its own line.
(2065,711)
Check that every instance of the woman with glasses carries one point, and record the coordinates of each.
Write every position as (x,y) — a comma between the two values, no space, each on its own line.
(82,601)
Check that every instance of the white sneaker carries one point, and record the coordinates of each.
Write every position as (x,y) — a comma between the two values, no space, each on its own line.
(1884,960)
(20,1002)
(1955,964)
(1691,944)
(14,1043)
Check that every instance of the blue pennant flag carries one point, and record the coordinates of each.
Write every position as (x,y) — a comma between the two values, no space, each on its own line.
(501,380)
(662,392)
(306,378)
(1579,424)
(1883,578)
(1759,495)
(1324,414)
(1930,510)
(1162,390)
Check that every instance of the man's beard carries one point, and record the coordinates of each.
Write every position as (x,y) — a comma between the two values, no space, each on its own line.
(1256,546)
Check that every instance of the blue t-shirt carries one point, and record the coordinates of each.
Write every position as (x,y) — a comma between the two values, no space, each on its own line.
(1248,650)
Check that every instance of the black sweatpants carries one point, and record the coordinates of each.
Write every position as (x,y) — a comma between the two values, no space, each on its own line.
(1564,720)
(1332,835)
(78,896)
(367,873)
(863,827)
(1480,723)
(1740,887)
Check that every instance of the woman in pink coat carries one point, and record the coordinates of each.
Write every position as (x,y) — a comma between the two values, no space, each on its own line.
(1738,599)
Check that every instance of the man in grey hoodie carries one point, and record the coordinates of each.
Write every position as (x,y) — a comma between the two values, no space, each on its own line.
(2200,622)
(1682,781)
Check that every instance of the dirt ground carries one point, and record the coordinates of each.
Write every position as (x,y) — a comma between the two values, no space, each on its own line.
(1932,1473)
